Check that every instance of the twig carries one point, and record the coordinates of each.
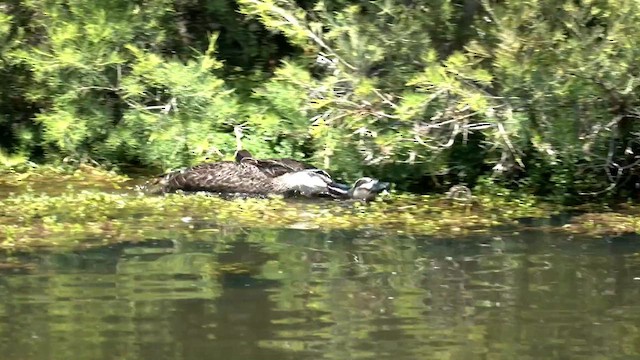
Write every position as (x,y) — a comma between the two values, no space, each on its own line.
(98,88)
(505,138)
(292,20)
(237,131)
(384,99)
(609,188)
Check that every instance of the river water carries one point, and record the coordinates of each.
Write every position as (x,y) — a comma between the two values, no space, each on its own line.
(300,294)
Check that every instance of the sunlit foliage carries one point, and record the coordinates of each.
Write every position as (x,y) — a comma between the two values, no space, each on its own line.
(537,94)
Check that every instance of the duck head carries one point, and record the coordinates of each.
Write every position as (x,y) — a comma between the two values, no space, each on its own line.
(365,188)
(242,155)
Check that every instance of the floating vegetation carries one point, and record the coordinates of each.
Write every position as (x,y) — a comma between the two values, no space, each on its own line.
(74,216)
(606,223)
(51,179)
(97,207)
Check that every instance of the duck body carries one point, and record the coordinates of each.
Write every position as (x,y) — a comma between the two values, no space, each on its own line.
(251,176)
(365,188)
(241,178)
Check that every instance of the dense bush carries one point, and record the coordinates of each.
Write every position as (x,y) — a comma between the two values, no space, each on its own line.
(539,94)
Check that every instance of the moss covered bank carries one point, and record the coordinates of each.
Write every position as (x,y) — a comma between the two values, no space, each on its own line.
(88,206)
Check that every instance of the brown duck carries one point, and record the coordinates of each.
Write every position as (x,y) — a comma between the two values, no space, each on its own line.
(229,177)
(365,188)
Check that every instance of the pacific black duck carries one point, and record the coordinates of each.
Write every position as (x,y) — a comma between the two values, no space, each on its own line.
(365,188)
(243,178)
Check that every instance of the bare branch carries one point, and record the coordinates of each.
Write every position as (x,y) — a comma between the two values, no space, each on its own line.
(237,131)
(107,88)
(385,99)
(293,21)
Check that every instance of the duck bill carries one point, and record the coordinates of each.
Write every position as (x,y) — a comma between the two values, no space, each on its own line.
(380,186)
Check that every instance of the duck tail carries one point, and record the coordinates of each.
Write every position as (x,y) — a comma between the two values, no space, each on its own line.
(153,186)
(159,184)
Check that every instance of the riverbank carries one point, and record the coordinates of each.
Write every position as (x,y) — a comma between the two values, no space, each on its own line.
(88,206)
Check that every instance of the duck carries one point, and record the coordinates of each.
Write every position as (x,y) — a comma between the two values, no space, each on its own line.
(365,188)
(230,177)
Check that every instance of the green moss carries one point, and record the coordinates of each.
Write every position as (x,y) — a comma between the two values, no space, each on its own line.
(89,206)
(605,223)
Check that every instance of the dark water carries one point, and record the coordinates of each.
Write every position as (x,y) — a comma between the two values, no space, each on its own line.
(291,294)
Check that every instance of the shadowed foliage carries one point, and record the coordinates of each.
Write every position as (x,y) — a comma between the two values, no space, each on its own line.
(539,95)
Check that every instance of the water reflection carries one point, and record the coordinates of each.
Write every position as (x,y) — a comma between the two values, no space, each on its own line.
(340,295)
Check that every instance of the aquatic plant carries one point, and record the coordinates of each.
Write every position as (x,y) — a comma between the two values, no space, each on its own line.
(87,206)
(92,206)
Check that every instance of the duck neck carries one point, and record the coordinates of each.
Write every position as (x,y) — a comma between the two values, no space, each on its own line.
(339,191)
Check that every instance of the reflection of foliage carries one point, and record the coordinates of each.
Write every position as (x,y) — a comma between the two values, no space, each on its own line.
(323,294)
(404,297)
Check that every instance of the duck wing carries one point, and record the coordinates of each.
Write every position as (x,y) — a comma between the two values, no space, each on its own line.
(293,164)
(279,167)
(272,167)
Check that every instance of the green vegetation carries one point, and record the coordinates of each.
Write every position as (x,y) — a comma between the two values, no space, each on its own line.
(92,207)
(91,204)
(536,95)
